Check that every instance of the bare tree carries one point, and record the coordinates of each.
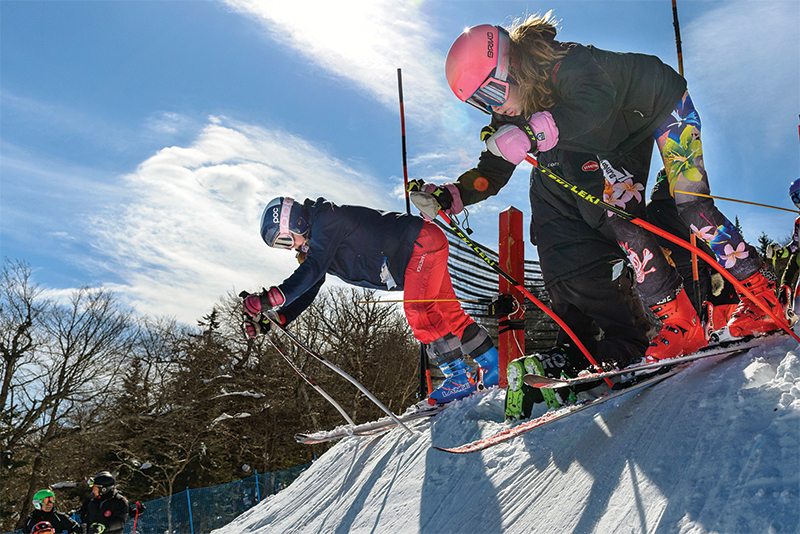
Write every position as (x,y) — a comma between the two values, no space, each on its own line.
(60,361)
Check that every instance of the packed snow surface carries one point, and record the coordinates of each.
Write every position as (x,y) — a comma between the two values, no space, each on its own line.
(714,449)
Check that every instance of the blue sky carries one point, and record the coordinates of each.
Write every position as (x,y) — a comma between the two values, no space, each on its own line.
(140,140)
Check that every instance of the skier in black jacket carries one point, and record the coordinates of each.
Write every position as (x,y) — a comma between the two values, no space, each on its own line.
(546,94)
(377,250)
(586,278)
(582,266)
(106,510)
(44,503)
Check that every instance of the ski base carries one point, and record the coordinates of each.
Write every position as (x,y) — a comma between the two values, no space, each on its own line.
(559,413)
(367,429)
(724,348)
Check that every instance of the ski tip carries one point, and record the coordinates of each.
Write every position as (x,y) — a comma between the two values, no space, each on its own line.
(454,450)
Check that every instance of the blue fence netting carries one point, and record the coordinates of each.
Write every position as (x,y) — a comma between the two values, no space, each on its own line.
(199,511)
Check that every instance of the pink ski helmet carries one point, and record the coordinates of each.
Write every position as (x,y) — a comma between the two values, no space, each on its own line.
(477,66)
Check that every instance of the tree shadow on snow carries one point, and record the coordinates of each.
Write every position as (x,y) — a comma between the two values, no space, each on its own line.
(457,495)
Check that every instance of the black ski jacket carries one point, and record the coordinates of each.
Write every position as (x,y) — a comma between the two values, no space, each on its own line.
(352,243)
(111,510)
(60,521)
(606,104)
(570,234)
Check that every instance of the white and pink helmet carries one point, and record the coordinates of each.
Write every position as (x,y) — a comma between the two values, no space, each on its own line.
(477,66)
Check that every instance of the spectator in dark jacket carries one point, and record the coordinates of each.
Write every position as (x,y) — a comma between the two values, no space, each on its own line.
(44,503)
(106,510)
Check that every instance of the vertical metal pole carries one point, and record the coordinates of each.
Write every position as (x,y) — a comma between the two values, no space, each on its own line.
(422,388)
(677,36)
(188,500)
(403,135)
(695,274)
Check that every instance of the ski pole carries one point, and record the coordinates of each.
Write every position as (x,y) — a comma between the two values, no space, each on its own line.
(677,36)
(311,382)
(344,375)
(136,517)
(736,200)
(403,131)
(423,198)
(666,235)
(305,377)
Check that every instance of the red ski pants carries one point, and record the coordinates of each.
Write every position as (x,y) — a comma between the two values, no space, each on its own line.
(431,307)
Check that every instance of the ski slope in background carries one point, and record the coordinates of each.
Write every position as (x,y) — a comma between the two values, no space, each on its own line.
(714,449)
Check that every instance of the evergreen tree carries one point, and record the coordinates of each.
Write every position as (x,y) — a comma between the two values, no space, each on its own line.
(763,242)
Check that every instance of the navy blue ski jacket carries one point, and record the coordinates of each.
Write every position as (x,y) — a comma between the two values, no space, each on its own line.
(352,243)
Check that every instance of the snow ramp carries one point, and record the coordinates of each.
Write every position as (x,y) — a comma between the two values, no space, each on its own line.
(714,449)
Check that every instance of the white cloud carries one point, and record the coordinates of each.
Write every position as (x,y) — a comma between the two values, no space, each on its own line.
(168,123)
(364,41)
(189,232)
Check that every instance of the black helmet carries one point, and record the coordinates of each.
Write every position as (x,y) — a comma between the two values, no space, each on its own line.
(103,480)
(281,218)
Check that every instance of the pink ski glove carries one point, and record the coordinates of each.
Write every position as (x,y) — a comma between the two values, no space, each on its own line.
(275,297)
(513,144)
(545,129)
(255,304)
(252,305)
(509,143)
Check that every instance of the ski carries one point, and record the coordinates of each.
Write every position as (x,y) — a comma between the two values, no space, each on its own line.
(558,414)
(367,429)
(726,347)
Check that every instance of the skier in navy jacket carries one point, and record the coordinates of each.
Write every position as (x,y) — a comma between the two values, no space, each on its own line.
(378,250)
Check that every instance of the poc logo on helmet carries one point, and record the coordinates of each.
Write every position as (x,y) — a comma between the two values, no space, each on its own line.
(276,215)
(490,46)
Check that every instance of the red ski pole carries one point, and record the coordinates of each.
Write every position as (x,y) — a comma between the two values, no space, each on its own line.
(135,517)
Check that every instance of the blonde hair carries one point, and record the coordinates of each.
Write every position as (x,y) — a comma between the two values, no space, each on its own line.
(532,59)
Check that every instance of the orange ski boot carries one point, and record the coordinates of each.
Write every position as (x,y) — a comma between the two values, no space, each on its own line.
(748,319)
(681,330)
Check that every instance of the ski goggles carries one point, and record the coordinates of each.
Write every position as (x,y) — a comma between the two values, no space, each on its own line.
(284,237)
(795,196)
(493,92)
(494,89)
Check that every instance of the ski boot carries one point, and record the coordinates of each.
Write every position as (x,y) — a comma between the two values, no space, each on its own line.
(516,392)
(681,330)
(787,303)
(476,342)
(748,319)
(458,384)
(520,398)
(488,370)
(547,364)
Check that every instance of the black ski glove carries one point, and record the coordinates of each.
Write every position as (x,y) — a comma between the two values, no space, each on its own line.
(254,327)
